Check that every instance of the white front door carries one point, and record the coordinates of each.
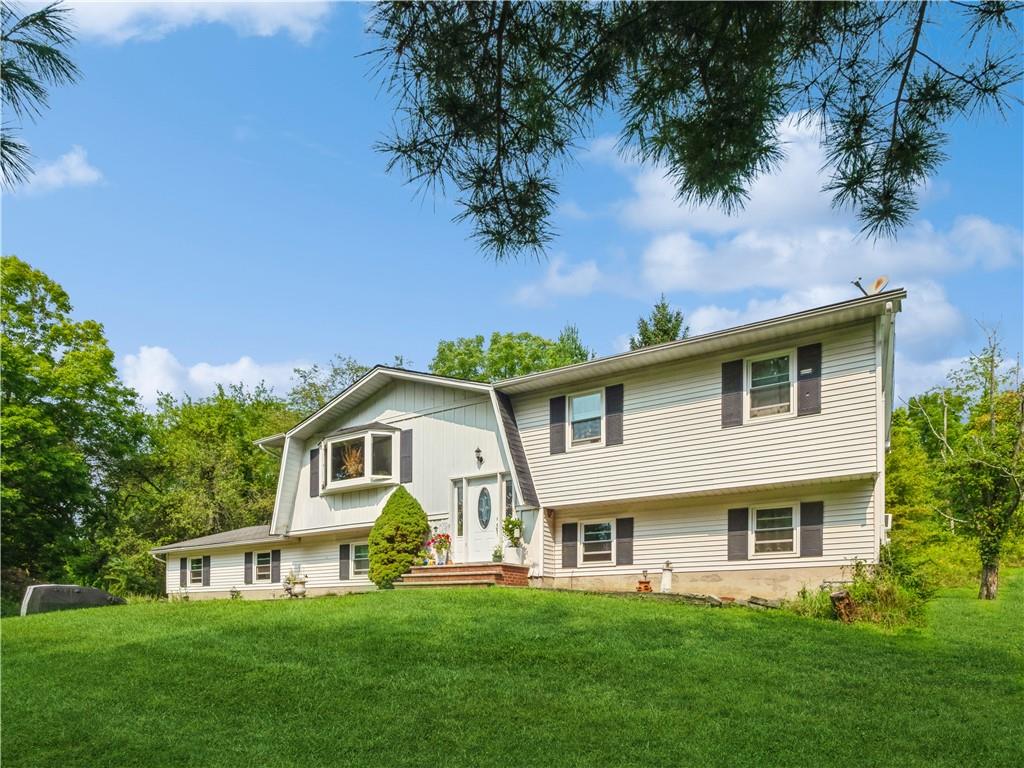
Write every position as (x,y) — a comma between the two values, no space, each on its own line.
(482,513)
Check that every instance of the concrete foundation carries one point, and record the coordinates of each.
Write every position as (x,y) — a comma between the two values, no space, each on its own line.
(762,582)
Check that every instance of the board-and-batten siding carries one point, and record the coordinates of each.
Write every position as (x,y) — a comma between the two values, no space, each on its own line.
(674,442)
(448,425)
(693,535)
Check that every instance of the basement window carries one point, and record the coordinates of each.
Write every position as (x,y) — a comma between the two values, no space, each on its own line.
(360,559)
(774,530)
(596,543)
(262,566)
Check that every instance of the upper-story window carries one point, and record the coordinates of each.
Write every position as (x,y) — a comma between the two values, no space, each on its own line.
(585,416)
(770,385)
(353,460)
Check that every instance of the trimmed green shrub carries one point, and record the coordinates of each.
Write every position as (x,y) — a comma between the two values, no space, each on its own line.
(397,538)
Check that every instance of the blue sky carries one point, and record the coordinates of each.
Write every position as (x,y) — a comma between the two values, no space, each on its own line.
(209,192)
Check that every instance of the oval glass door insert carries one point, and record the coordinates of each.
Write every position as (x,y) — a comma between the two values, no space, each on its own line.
(483,508)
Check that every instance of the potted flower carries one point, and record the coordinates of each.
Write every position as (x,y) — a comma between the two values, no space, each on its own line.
(512,528)
(295,584)
(441,543)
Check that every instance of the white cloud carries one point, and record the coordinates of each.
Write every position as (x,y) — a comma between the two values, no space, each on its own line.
(69,170)
(120,22)
(560,280)
(914,377)
(156,370)
(771,258)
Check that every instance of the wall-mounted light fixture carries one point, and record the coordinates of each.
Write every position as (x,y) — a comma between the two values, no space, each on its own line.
(479,457)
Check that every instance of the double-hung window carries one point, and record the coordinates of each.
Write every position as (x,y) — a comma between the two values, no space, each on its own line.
(364,458)
(596,544)
(361,559)
(770,385)
(585,417)
(774,530)
(195,570)
(263,566)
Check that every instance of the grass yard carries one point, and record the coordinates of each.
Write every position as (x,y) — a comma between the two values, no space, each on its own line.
(510,678)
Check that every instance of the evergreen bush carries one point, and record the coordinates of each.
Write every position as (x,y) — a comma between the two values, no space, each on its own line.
(397,538)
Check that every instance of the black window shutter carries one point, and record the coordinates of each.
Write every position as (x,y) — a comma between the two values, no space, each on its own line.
(732,393)
(808,379)
(569,533)
(314,472)
(344,560)
(183,572)
(613,402)
(405,457)
(206,570)
(275,565)
(739,520)
(556,421)
(248,567)
(812,521)
(624,541)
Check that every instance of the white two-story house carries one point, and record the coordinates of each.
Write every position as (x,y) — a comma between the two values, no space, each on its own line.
(747,461)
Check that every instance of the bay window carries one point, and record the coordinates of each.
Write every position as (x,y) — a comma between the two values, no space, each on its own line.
(359,459)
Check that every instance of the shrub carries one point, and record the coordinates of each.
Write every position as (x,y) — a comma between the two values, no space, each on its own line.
(892,593)
(397,538)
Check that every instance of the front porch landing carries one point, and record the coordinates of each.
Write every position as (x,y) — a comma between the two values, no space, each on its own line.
(465,575)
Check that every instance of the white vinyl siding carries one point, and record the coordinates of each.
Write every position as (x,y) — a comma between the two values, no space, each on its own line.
(675,444)
(448,426)
(693,533)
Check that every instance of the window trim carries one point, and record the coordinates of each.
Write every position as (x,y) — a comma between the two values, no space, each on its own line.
(367,478)
(576,445)
(256,567)
(751,549)
(360,544)
(581,524)
(192,581)
(748,382)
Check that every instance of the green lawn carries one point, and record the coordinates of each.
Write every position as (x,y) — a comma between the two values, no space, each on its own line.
(510,678)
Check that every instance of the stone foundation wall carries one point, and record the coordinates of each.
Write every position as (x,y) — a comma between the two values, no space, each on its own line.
(741,584)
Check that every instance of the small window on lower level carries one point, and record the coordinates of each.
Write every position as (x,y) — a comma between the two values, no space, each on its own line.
(510,506)
(773,530)
(361,559)
(262,566)
(195,570)
(597,543)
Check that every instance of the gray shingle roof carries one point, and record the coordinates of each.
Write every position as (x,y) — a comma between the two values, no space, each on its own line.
(254,534)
